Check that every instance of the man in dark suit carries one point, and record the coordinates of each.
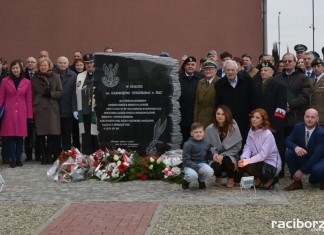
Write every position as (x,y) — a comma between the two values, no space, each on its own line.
(271,96)
(235,91)
(308,59)
(31,141)
(305,151)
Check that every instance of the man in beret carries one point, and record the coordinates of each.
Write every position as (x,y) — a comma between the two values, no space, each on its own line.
(189,79)
(85,107)
(205,95)
(300,50)
(271,96)
(308,58)
(317,92)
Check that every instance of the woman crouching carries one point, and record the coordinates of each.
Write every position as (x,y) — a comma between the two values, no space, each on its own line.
(260,157)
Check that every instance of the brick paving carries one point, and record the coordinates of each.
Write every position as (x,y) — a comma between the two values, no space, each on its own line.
(103,218)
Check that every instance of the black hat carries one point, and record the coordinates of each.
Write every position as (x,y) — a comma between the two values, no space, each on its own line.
(88,58)
(268,64)
(189,59)
(209,64)
(300,47)
(317,61)
(316,55)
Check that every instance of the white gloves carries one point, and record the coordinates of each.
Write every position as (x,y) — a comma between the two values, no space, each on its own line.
(75,114)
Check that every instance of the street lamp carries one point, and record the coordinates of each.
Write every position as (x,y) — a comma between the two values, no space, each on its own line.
(279,32)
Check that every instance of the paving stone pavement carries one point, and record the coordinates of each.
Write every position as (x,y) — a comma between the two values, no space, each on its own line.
(29,183)
(96,207)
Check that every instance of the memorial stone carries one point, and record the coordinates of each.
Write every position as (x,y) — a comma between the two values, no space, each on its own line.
(136,99)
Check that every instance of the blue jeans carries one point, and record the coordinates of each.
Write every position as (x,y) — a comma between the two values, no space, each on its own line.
(15,148)
(192,175)
(294,163)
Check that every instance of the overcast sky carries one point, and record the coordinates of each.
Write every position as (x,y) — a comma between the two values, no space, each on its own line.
(295,24)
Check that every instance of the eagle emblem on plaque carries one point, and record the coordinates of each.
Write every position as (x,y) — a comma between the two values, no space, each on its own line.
(110,79)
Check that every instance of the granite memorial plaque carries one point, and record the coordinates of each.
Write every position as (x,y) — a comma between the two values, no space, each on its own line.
(136,99)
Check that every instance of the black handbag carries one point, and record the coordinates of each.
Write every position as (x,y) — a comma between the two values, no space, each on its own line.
(269,171)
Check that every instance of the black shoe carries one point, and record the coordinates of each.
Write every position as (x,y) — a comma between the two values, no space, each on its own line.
(185,185)
(43,162)
(12,165)
(28,159)
(19,163)
(202,185)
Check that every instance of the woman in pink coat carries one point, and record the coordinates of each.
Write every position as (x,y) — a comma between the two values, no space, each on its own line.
(16,97)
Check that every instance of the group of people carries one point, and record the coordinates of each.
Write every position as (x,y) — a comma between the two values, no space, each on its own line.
(245,119)
(44,105)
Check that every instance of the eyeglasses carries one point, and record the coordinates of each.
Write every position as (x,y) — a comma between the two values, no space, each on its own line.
(287,61)
(30,62)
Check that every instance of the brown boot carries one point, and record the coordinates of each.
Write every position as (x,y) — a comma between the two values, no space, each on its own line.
(294,186)
(218,181)
(230,183)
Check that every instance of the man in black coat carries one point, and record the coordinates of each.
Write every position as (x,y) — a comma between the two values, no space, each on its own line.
(271,96)
(235,91)
(188,78)
(298,90)
(67,100)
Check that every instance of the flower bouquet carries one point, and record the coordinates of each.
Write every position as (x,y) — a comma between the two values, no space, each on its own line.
(70,166)
(147,168)
(173,165)
(113,165)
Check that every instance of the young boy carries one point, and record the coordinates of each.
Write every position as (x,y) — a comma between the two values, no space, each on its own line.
(195,151)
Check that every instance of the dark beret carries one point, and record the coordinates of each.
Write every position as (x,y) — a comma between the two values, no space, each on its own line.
(88,58)
(189,59)
(317,61)
(267,64)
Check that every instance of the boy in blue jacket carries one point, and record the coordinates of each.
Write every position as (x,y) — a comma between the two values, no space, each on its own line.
(195,153)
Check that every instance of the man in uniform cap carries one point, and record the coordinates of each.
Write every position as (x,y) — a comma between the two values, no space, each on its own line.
(300,50)
(316,96)
(85,107)
(189,79)
(205,95)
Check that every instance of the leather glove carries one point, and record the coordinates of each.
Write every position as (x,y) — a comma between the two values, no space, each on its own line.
(76,115)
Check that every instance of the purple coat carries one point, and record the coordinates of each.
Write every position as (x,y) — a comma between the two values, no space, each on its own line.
(261,146)
(18,107)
